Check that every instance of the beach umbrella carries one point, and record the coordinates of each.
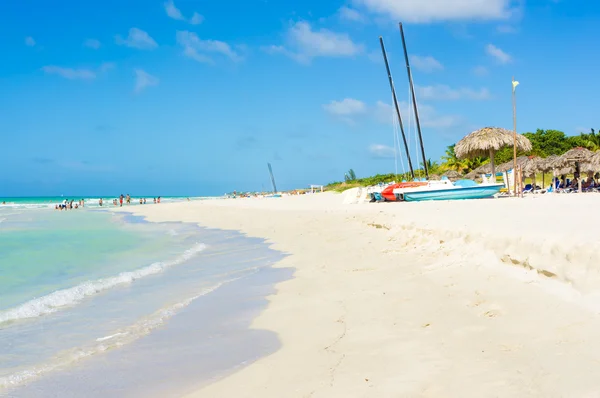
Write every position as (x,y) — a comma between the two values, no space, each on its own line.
(487,141)
(568,159)
(506,166)
(452,175)
(435,177)
(485,169)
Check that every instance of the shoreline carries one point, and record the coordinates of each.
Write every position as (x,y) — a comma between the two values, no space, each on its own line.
(245,273)
(394,300)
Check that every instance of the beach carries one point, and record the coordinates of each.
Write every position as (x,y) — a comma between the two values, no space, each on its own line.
(454,299)
(305,296)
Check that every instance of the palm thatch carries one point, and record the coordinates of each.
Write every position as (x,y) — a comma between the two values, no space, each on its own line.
(506,166)
(453,175)
(568,159)
(487,141)
(435,177)
(545,165)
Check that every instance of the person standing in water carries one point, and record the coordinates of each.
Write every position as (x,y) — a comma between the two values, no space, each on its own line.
(121,200)
(100,202)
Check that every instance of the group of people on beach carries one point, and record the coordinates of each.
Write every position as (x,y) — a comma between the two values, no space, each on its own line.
(69,205)
(127,199)
(591,182)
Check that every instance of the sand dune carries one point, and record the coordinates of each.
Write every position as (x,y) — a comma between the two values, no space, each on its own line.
(434,299)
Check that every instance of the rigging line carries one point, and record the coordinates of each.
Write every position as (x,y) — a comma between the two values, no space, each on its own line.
(395,151)
(397,148)
(415,135)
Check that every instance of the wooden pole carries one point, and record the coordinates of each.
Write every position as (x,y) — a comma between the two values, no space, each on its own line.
(514,101)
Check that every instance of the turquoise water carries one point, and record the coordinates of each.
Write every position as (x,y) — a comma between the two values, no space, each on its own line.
(77,284)
(51,201)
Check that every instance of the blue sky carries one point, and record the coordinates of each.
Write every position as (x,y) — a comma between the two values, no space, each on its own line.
(194,97)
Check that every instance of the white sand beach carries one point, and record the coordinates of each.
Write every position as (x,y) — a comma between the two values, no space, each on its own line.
(434,299)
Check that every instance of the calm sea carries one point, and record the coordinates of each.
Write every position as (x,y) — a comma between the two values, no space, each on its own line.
(78,284)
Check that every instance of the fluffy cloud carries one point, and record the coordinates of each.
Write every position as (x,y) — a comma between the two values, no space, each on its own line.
(137,38)
(442,92)
(174,12)
(92,43)
(379,151)
(421,11)
(480,71)
(428,116)
(196,48)
(143,79)
(29,41)
(70,73)
(498,54)
(303,44)
(345,107)
(350,14)
(425,63)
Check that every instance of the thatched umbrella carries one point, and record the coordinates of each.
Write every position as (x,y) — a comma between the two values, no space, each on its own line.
(569,158)
(506,166)
(435,177)
(487,141)
(452,175)
(486,168)
(566,162)
(546,165)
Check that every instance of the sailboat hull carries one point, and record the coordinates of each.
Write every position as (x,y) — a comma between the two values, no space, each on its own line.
(456,193)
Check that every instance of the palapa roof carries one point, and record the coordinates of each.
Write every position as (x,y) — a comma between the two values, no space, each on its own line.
(568,159)
(546,164)
(452,174)
(482,141)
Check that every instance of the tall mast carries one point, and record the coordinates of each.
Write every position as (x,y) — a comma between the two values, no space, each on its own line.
(272,178)
(387,66)
(414,101)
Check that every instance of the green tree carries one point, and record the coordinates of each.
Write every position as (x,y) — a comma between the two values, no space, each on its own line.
(432,167)
(350,176)
(451,162)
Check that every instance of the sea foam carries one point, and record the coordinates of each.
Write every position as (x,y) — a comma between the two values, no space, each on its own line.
(71,296)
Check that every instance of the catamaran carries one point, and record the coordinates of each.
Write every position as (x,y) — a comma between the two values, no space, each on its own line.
(425,189)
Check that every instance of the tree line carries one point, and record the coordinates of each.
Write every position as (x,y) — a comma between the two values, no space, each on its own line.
(543,142)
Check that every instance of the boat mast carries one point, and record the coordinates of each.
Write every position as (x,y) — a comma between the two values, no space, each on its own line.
(272,178)
(387,67)
(414,101)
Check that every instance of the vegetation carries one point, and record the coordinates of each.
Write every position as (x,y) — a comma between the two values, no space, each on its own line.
(544,143)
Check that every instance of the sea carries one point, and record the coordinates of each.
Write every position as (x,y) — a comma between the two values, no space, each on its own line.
(97,303)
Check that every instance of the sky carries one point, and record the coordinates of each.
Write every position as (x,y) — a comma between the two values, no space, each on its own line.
(191,97)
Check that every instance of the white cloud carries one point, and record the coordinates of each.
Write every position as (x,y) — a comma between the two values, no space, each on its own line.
(379,151)
(424,11)
(175,13)
(143,79)
(92,43)
(425,63)
(70,73)
(350,14)
(345,107)
(196,19)
(427,115)
(195,48)
(304,44)
(172,11)
(506,29)
(443,92)
(106,66)
(29,41)
(498,54)
(480,71)
(137,38)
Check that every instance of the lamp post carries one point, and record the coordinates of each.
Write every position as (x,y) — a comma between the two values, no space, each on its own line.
(514,102)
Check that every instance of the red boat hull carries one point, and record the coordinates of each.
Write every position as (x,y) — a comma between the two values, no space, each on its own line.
(388,192)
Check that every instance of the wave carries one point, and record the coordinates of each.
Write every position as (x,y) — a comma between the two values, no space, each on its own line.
(118,339)
(68,297)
